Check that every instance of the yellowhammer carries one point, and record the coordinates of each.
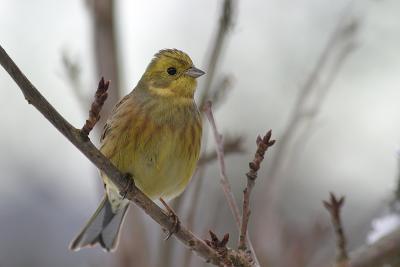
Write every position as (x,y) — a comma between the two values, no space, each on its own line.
(154,134)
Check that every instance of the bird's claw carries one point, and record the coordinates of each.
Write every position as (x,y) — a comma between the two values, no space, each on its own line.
(129,186)
(171,213)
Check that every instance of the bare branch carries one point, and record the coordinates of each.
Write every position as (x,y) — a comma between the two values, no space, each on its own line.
(75,136)
(232,145)
(94,113)
(343,34)
(219,92)
(225,24)
(226,187)
(384,252)
(334,206)
(262,146)
(72,75)
(216,47)
(106,47)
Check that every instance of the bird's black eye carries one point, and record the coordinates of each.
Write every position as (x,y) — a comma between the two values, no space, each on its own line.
(171,71)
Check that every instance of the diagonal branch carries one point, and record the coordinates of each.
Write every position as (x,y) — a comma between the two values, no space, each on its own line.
(226,187)
(80,141)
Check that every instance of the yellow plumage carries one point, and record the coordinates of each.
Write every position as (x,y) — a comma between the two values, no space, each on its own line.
(154,134)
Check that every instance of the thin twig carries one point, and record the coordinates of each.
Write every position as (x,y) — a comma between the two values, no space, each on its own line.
(191,216)
(105,42)
(309,128)
(219,245)
(94,112)
(75,136)
(72,75)
(216,47)
(219,92)
(334,206)
(310,97)
(344,32)
(262,146)
(226,187)
(232,146)
(225,24)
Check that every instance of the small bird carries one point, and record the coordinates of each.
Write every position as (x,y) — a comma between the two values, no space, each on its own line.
(154,135)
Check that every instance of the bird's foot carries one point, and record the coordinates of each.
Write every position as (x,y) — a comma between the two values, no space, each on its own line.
(171,213)
(129,185)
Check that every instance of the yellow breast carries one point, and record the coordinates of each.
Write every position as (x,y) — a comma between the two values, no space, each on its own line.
(157,141)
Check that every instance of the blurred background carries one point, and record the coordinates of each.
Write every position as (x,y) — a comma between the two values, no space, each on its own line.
(324,75)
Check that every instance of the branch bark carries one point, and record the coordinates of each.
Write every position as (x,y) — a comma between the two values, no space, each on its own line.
(226,187)
(334,207)
(80,141)
(262,146)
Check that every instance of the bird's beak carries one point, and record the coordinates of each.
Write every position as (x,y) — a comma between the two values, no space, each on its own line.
(194,72)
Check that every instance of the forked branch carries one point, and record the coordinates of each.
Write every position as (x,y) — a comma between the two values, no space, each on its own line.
(334,206)
(226,187)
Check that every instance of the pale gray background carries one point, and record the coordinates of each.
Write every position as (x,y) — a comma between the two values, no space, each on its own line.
(48,188)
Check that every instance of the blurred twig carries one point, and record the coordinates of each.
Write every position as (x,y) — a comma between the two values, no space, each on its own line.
(72,70)
(320,97)
(219,92)
(198,176)
(334,206)
(106,48)
(233,145)
(306,108)
(343,34)
(225,24)
(133,237)
(262,146)
(226,187)
(384,252)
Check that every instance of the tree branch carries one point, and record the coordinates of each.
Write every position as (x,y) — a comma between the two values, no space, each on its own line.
(334,206)
(344,33)
(94,113)
(262,146)
(106,47)
(226,187)
(232,145)
(79,140)
(225,24)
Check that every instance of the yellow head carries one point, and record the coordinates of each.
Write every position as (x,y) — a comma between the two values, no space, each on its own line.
(171,73)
